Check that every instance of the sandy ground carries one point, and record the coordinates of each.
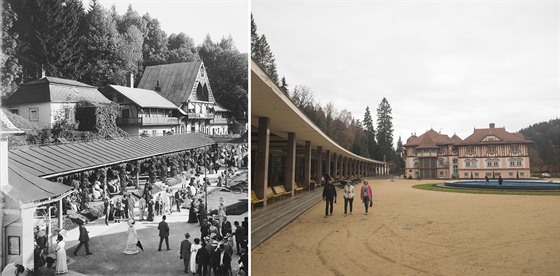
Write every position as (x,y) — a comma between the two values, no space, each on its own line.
(418,232)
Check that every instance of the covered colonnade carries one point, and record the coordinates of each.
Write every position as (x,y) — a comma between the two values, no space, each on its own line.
(288,149)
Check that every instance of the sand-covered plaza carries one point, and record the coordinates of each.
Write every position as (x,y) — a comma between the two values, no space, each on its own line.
(418,232)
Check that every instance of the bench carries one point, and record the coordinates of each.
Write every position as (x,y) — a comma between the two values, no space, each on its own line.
(280,190)
(255,199)
(270,194)
(297,188)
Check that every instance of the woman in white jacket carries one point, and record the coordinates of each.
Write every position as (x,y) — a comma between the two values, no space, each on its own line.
(348,196)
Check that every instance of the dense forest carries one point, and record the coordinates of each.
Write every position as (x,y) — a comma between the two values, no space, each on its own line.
(371,137)
(545,151)
(98,46)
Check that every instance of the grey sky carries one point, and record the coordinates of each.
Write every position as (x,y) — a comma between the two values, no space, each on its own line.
(194,18)
(446,65)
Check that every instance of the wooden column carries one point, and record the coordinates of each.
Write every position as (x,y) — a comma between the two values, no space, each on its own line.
(328,168)
(319,159)
(307,164)
(261,164)
(291,163)
(335,165)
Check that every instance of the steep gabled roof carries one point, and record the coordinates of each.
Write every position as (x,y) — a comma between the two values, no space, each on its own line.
(504,136)
(430,139)
(57,90)
(143,97)
(175,80)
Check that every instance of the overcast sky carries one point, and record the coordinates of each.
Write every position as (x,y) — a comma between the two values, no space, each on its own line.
(447,65)
(194,17)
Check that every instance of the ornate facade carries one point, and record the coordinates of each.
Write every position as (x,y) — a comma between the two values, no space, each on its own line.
(491,152)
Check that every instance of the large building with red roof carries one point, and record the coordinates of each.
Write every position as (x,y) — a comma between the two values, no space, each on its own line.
(491,152)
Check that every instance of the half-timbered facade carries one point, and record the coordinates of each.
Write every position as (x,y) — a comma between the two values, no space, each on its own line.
(188,87)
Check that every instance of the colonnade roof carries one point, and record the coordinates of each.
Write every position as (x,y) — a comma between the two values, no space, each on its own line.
(51,161)
(268,100)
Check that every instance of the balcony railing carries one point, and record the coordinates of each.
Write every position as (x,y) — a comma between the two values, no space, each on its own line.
(160,121)
(200,115)
(146,121)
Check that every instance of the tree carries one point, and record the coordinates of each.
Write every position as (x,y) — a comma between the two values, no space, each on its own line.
(154,49)
(261,52)
(284,86)
(369,130)
(103,63)
(385,129)
(181,48)
(49,31)
(11,69)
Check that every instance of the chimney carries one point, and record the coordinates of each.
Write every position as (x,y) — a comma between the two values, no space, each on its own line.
(130,80)
(158,88)
(492,125)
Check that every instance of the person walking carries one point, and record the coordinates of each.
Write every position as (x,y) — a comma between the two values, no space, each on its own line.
(239,236)
(203,259)
(150,205)
(106,210)
(131,203)
(329,195)
(185,253)
(178,200)
(348,196)
(141,208)
(226,227)
(84,240)
(163,232)
(132,241)
(194,251)
(366,195)
(61,264)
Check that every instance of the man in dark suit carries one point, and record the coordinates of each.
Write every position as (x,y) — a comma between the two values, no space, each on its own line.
(224,261)
(163,233)
(215,257)
(203,260)
(226,227)
(244,261)
(185,252)
(84,239)
(239,237)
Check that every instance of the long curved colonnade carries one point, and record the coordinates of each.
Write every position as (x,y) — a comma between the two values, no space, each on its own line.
(279,128)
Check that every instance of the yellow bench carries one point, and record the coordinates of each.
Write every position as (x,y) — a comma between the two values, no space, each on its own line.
(255,199)
(270,194)
(280,190)
(297,187)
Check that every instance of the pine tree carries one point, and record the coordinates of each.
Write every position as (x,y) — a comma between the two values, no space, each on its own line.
(50,31)
(385,129)
(101,42)
(11,69)
(284,86)
(371,145)
(261,52)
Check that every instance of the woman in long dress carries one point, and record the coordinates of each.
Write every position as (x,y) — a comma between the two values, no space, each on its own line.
(61,265)
(192,213)
(150,204)
(194,249)
(132,240)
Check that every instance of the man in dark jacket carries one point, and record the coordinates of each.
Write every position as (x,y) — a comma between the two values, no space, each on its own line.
(163,233)
(244,261)
(84,239)
(239,237)
(185,252)
(226,227)
(203,260)
(329,195)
